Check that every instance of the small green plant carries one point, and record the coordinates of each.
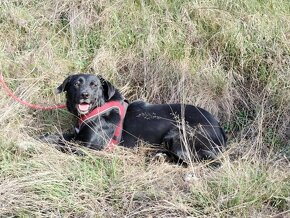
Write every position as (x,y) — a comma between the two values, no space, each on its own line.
(242,119)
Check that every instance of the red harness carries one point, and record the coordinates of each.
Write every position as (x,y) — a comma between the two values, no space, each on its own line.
(121,106)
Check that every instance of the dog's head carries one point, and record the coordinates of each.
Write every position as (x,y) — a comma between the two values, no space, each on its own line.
(85,92)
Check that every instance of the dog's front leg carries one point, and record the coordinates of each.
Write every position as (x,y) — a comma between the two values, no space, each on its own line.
(62,143)
(56,138)
(98,132)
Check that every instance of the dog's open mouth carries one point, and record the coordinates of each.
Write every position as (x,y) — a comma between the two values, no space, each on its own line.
(83,108)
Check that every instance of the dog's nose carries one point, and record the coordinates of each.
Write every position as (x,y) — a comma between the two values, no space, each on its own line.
(85,95)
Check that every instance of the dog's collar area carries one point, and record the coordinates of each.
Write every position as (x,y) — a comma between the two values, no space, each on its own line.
(120,106)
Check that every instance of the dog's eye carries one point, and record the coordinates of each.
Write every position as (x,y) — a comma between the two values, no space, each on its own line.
(77,84)
(93,84)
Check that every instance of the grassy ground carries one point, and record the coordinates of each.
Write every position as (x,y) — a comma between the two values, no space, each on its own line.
(230,57)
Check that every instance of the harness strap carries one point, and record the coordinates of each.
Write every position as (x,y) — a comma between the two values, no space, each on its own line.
(121,107)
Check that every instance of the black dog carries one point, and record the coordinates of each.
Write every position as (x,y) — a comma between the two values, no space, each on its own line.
(185,131)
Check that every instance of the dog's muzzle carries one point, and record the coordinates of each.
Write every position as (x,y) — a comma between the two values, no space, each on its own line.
(84,106)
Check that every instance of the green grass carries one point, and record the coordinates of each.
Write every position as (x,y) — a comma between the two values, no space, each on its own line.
(230,57)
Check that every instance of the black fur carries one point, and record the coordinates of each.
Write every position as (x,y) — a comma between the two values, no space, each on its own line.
(185,131)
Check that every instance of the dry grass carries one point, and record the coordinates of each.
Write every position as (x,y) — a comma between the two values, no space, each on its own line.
(230,57)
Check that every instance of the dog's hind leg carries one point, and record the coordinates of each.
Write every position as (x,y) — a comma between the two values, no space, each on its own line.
(174,144)
(191,146)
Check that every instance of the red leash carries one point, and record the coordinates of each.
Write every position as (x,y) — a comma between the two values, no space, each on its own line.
(33,106)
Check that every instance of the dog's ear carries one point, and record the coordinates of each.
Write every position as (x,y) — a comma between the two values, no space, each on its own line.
(63,86)
(108,88)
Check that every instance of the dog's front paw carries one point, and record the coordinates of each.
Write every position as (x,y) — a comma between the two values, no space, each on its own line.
(50,138)
(160,157)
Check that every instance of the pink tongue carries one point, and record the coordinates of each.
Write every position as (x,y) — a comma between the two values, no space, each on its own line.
(84,107)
